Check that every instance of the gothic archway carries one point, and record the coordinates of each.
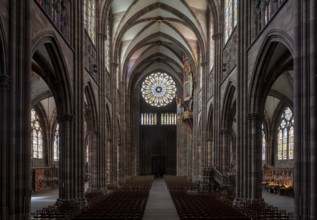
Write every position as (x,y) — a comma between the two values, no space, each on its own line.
(49,64)
(227,131)
(96,153)
(274,61)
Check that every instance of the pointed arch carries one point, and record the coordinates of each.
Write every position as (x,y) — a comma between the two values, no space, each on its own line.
(210,122)
(265,74)
(3,50)
(55,74)
(108,123)
(228,105)
(91,112)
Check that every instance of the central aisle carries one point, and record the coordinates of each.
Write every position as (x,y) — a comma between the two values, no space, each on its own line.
(160,204)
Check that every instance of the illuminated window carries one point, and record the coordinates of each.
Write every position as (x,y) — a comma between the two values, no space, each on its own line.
(231,17)
(265,10)
(142,119)
(59,12)
(56,143)
(285,142)
(90,19)
(37,138)
(107,49)
(158,89)
(263,142)
(168,119)
(148,119)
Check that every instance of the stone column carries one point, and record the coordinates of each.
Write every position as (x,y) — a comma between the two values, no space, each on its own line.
(114,122)
(15,129)
(255,121)
(242,181)
(123,150)
(128,166)
(102,120)
(210,152)
(204,118)
(225,157)
(50,149)
(189,146)
(4,149)
(108,159)
(101,156)
(305,55)
(94,160)
(70,185)
(181,148)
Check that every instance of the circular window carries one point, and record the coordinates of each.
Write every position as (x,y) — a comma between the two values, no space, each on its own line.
(158,89)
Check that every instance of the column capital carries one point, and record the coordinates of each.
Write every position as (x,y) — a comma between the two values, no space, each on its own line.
(115,64)
(4,81)
(225,131)
(65,117)
(255,116)
(217,36)
(93,131)
(204,63)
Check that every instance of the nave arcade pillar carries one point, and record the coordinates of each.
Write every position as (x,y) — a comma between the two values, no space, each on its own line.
(97,165)
(15,111)
(210,153)
(255,153)
(71,167)
(225,157)
(108,157)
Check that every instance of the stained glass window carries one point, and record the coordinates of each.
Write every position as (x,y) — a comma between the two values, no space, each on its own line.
(263,143)
(168,118)
(231,17)
(285,145)
(56,143)
(107,48)
(37,138)
(158,89)
(90,19)
(148,119)
(59,13)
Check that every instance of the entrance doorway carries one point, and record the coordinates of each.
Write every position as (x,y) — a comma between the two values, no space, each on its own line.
(158,166)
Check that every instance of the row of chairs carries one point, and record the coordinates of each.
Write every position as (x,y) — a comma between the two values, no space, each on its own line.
(138,182)
(263,211)
(64,210)
(203,206)
(198,205)
(214,205)
(179,183)
(126,202)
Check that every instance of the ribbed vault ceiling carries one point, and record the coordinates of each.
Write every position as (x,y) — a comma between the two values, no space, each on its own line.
(151,35)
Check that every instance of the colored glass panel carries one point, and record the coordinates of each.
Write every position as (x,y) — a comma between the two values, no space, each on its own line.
(158,89)
(37,139)
(230,17)
(286,136)
(56,143)
(90,19)
(291,143)
(263,143)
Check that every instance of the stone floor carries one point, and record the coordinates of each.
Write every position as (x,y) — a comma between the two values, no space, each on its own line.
(43,199)
(283,202)
(160,204)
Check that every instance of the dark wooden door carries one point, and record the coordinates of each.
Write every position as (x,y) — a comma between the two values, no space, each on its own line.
(158,166)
